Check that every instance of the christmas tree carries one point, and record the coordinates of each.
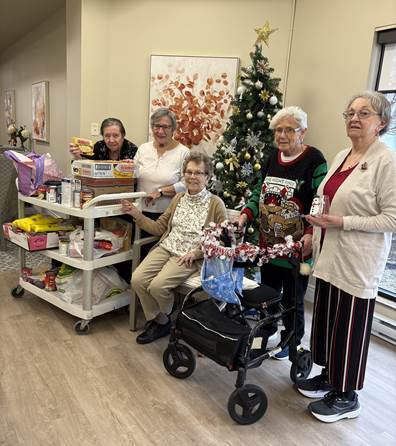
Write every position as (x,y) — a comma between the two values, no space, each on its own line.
(244,145)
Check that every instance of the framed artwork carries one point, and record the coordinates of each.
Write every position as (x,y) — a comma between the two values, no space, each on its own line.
(40,116)
(9,107)
(199,91)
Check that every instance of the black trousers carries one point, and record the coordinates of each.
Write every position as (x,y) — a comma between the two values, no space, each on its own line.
(340,337)
(282,279)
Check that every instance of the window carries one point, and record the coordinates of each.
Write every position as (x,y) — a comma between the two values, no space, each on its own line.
(386,84)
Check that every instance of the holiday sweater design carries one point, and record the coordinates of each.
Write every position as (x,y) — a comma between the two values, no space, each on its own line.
(285,195)
(280,212)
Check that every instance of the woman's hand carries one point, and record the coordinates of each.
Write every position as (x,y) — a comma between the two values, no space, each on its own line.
(130,209)
(151,197)
(75,151)
(307,244)
(187,259)
(242,222)
(326,221)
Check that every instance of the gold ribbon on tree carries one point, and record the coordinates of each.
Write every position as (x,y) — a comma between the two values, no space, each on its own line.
(232,163)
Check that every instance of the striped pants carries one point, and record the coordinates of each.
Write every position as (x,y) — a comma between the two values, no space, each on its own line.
(340,336)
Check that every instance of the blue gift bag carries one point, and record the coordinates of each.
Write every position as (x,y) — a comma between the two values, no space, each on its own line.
(220,280)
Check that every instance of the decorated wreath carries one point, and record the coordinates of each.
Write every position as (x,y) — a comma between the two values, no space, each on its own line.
(216,236)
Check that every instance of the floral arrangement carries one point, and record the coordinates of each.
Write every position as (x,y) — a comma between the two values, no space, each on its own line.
(17,132)
(212,245)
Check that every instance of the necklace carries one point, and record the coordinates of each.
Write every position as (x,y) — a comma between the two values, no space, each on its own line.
(351,161)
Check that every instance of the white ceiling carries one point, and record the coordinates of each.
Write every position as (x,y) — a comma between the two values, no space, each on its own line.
(18,17)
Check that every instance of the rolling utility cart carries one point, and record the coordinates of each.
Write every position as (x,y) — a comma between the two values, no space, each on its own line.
(91,210)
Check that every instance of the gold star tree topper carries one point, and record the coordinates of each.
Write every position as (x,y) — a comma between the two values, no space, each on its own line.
(264,32)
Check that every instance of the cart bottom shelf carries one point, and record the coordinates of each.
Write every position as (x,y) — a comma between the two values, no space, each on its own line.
(107,305)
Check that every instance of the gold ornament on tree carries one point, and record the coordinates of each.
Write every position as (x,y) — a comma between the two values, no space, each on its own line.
(264,32)
(257,167)
(264,95)
(247,156)
(250,230)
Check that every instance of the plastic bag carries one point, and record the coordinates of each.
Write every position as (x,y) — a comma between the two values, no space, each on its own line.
(42,223)
(33,170)
(105,242)
(105,283)
(220,280)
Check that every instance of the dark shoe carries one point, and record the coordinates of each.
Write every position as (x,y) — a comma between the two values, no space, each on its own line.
(335,406)
(153,331)
(316,387)
(283,354)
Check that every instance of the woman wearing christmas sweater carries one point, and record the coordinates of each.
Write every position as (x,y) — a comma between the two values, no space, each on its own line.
(351,247)
(281,199)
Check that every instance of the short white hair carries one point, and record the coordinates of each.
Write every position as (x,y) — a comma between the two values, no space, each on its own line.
(290,112)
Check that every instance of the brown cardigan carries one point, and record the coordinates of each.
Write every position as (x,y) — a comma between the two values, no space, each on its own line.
(163,226)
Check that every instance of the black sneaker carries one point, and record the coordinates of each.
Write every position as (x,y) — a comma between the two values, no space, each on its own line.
(316,387)
(335,406)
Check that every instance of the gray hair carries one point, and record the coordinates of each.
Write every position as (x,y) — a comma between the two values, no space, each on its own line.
(112,121)
(290,112)
(379,103)
(198,158)
(160,113)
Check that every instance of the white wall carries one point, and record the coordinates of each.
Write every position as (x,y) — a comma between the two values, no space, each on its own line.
(117,43)
(107,51)
(38,56)
(330,61)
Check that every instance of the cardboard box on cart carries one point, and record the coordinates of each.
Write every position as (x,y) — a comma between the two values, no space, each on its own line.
(103,169)
(31,241)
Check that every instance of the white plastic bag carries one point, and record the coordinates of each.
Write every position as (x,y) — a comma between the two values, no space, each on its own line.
(105,283)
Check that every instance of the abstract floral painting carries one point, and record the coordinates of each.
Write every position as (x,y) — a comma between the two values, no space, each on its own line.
(40,124)
(9,107)
(199,91)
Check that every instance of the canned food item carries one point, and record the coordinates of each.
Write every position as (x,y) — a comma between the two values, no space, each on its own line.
(76,199)
(49,280)
(66,192)
(76,184)
(51,194)
(63,246)
(86,195)
(41,192)
(26,272)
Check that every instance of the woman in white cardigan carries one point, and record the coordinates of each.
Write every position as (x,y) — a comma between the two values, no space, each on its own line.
(351,245)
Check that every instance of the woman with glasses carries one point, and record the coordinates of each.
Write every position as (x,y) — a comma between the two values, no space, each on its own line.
(159,164)
(114,145)
(177,255)
(280,200)
(351,246)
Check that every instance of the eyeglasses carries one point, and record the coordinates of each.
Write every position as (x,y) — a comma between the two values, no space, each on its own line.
(162,126)
(188,173)
(289,131)
(361,114)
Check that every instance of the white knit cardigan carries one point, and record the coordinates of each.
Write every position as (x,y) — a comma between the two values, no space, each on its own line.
(353,258)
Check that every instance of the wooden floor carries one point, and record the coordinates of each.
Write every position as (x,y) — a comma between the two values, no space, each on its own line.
(58,388)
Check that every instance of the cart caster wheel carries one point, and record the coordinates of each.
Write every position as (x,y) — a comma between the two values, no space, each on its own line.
(247,404)
(18,291)
(302,367)
(81,327)
(179,361)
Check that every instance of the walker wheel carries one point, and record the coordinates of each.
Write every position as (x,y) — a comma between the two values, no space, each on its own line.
(302,367)
(179,361)
(81,327)
(247,404)
(17,291)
